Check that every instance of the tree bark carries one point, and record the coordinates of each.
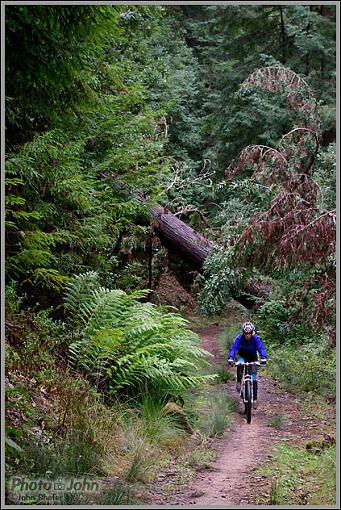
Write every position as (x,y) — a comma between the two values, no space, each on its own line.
(194,248)
(180,238)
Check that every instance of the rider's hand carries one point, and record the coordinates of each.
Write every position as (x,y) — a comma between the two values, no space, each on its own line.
(263,361)
(230,362)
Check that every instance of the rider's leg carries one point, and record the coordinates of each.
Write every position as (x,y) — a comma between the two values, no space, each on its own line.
(239,373)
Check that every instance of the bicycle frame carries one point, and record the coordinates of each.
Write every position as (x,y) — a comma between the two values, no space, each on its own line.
(246,391)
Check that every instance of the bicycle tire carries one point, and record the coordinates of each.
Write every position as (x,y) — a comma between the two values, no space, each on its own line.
(248,403)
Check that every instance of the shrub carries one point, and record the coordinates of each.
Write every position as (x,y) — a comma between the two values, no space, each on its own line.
(308,368)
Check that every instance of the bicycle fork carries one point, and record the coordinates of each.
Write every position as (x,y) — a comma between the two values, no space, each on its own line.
(247,393)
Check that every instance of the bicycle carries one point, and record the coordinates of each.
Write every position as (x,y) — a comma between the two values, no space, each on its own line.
(246,390)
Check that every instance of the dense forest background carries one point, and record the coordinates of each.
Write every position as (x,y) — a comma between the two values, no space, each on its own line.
(223,115)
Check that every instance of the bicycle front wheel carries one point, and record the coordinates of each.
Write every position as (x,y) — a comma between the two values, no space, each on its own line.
(248,401)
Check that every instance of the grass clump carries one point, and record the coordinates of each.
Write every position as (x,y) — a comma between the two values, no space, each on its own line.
(201,457)
(211,410)
(278,421)
(220,418)
(302,477)
(136,469)
(75,455)
(226,338)
(159,425)
(119,494)
(224,375)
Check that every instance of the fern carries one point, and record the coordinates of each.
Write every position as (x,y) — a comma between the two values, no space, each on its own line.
(129,343)
(78,291)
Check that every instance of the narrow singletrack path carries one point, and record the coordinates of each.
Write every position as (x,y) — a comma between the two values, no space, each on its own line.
(232,479)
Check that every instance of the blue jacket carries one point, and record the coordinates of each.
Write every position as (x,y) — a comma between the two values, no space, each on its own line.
(247,349)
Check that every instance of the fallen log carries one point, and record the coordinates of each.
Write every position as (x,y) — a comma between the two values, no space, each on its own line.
(193,247)
(177,236)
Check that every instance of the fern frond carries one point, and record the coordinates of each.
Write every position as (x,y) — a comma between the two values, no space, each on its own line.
(78,291)
(132,343)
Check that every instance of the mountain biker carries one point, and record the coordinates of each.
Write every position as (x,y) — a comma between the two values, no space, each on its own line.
(246,346)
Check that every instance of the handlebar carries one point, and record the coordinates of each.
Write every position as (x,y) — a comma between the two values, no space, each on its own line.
(246,363)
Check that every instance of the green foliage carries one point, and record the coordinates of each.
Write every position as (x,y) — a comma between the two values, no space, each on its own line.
(80,290)
(13,301)
(201,459)
(325,176)
(223,374)
(276,326)
(73,215)
(227,336)
(132,344)
(230,43)
(33,340)
(240,200)
(307,368)
(287,317)
(72,187)
(220,283)
(47,69)
(302,478)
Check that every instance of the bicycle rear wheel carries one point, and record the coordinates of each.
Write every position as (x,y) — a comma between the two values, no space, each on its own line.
(248,401)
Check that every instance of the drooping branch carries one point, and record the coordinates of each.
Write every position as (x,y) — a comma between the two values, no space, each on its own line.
(300,97)
(271,77)
(310,132)
(261,159)
(294,232)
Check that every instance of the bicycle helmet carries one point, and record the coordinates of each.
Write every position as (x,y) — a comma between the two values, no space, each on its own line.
(248,327)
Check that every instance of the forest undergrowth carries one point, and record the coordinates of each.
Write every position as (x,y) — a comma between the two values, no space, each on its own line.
(59,425)
(65,427)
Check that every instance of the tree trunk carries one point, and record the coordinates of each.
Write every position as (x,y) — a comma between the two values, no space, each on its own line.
(193,247)
(180,238)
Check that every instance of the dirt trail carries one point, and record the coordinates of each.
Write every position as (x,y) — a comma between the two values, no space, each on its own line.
(231,479)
